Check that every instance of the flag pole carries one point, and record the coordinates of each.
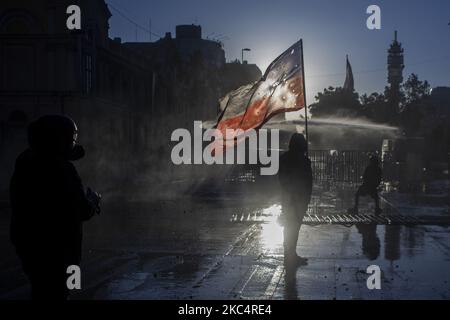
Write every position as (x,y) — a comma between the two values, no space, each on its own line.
(304,99)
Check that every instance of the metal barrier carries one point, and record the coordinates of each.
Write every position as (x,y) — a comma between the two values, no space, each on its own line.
(394,219)
(339,166)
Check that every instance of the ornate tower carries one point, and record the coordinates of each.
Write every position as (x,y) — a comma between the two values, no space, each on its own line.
(395,73)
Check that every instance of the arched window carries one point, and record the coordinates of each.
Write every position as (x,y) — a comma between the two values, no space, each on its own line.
(18,22)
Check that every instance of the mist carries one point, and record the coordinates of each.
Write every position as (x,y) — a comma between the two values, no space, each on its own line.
(338,133)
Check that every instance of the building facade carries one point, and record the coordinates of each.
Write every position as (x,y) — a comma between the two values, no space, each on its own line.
(47,69)
(126,98)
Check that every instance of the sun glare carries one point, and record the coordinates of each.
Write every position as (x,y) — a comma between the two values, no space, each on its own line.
(271,232)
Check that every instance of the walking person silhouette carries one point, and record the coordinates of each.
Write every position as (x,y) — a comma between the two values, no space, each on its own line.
(371,180)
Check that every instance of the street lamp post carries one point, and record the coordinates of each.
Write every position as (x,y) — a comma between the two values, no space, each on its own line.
(242,52)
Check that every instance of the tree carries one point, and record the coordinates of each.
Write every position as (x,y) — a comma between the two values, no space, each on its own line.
(415,105)
(375,107)
(415,90)
(336,102)
(413,100)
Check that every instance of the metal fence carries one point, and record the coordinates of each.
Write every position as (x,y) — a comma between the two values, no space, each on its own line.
(328,166)
(339,166)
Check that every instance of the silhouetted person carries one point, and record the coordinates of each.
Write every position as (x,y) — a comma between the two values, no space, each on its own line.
(296,184)
(370,240)
(49,205)
(371,181)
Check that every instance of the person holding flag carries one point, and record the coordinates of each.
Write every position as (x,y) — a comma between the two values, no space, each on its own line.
(296,180)
(280,90)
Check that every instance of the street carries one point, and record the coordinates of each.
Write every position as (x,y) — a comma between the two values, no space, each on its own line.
(231,248)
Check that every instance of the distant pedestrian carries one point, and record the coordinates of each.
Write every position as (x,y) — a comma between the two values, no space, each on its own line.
(371,181)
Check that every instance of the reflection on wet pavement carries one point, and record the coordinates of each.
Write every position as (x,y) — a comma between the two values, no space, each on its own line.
(216,252)
(191,249)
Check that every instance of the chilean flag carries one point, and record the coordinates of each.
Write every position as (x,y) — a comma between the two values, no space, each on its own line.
(280,90)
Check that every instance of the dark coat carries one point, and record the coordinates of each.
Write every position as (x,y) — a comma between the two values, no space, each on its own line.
(48,207)
(295,177)
(372,177)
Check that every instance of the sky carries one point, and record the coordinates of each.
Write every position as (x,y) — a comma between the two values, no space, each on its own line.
(330,29)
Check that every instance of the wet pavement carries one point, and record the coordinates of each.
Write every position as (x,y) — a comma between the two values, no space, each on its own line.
(228,248)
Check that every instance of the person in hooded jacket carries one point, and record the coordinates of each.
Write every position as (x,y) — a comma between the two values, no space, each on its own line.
(49,205)
(295,176)
(371,180)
